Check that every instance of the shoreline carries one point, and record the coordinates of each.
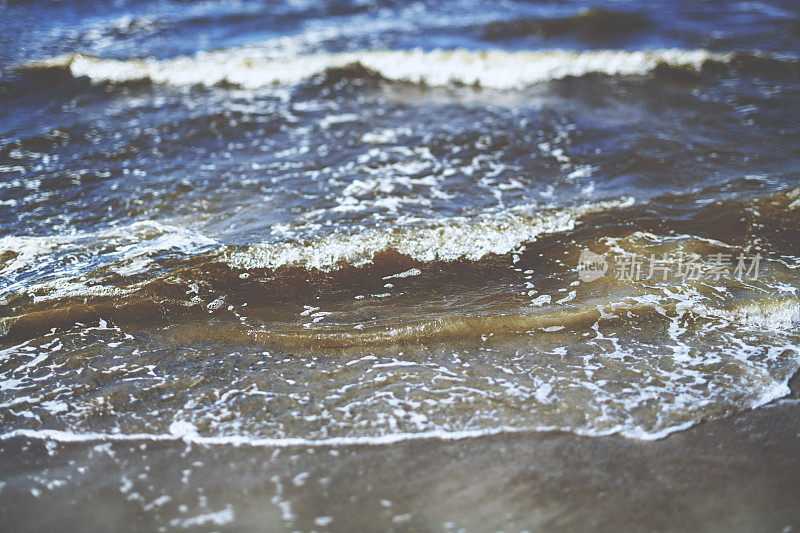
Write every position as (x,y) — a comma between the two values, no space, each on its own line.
(738,473)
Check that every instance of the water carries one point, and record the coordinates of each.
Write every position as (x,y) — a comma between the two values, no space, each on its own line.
(359,222)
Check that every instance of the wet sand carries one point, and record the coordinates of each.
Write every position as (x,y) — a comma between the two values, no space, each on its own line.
(736,474)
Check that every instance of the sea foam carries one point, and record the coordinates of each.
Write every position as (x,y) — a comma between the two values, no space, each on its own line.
(493,69)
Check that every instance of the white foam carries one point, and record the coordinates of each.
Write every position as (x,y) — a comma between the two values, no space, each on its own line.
(286,442)
(491,69)
(50,267)
(781,314)
(218,518)
(187,433)
(448,240)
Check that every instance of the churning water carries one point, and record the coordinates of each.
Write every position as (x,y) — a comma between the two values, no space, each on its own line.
(336,222)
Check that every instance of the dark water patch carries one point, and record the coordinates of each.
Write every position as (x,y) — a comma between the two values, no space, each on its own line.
(354,74)
(116,311)
(765,66)
(591,24)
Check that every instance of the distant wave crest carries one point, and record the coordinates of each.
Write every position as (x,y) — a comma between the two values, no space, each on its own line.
(493,69)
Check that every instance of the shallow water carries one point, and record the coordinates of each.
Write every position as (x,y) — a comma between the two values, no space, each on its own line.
(342,222)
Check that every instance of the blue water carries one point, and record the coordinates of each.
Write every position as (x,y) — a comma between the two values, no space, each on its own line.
(35,29)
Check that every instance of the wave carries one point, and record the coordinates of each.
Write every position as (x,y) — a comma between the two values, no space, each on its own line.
(150,272)
(493,69)
(771,314)
(189,437)
(185,432)
(448,240)
(133,284)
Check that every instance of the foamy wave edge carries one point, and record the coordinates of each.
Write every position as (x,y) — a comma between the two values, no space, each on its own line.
(495,69)
(448,240)
(287,442)
(186,433)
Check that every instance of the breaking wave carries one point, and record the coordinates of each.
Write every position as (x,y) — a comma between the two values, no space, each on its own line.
(450,240)
(493,69)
